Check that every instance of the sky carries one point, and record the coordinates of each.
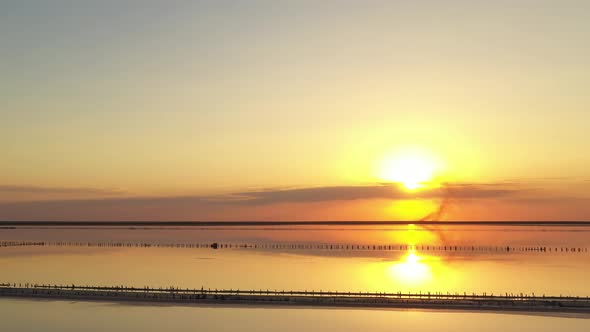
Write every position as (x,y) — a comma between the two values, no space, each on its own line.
(294,110)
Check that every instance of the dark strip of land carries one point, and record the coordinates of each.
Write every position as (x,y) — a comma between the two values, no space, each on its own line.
(509,302)
(288,223)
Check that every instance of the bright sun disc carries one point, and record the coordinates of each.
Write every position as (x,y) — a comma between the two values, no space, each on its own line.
(412,170)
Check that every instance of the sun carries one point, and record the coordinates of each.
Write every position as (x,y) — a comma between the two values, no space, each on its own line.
(412,169)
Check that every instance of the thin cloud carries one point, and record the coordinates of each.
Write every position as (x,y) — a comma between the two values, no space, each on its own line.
(56,190)
(275,196)
(247,203)
(378,191)
(551,200)
(320,194)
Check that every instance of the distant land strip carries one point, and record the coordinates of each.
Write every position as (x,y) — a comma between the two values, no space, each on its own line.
(310,298)
(123,223)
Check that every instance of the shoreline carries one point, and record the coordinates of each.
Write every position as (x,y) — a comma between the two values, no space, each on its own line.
(139,303)
(176,297)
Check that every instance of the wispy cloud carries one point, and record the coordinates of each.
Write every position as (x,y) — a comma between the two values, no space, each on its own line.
(378,191)
(320,194)
(250,204)
(56,190)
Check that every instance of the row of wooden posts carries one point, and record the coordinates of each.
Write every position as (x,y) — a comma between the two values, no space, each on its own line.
(267,292)
(302,246)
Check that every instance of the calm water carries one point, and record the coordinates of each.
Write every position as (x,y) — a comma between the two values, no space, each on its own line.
(53,316)
(483,265)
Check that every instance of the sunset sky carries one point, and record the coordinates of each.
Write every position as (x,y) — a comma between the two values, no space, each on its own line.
(295,110)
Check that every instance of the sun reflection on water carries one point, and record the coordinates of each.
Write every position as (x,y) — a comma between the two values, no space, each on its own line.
(412,269)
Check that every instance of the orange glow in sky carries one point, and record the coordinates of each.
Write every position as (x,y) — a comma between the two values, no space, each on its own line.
(318,116)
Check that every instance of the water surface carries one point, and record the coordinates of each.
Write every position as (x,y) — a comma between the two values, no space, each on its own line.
(541,260)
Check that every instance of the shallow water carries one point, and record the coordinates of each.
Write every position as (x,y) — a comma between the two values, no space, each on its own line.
(413,259)
(542,260)
(50,316)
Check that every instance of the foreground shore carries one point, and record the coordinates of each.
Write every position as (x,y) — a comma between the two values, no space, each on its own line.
(302,298)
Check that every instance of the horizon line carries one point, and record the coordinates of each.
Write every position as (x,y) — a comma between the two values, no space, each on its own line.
(290,223)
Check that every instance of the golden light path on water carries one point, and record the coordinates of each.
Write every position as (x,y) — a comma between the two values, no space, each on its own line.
(412,271)
(413,168)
